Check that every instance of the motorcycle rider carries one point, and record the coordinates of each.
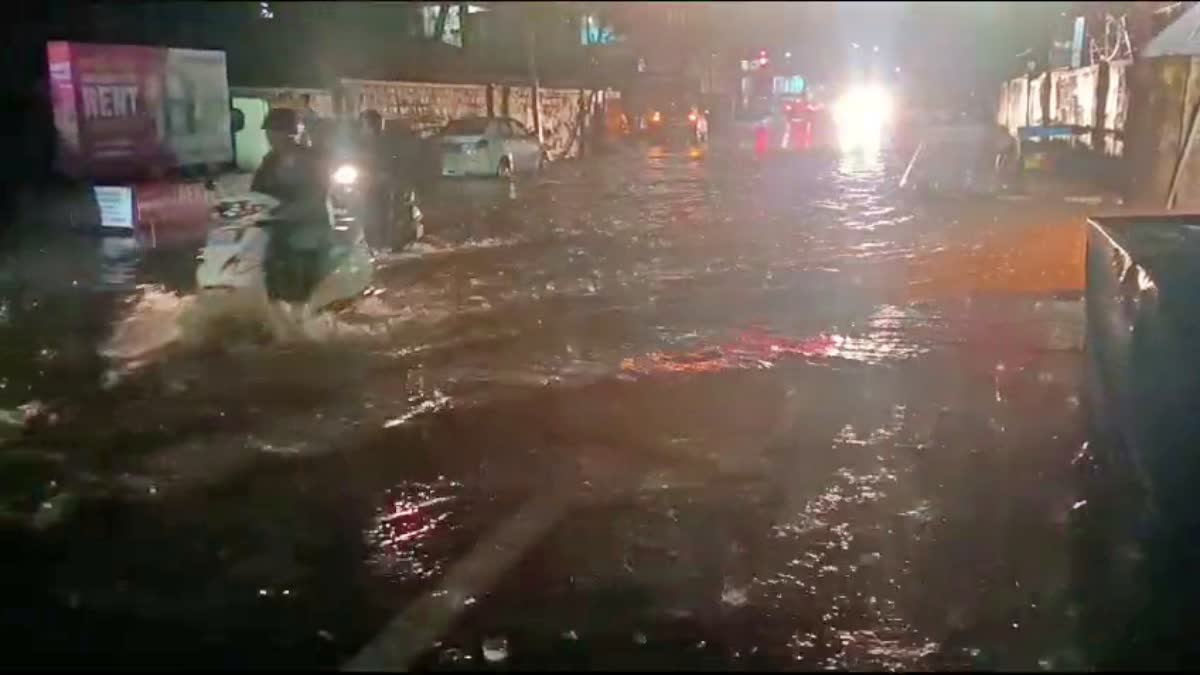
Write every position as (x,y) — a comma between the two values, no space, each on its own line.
(699,124)
(379,192)
(298,251)
(309,120)
(392,161)
(371,144)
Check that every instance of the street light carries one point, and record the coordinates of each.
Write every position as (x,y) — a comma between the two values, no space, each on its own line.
(787,55)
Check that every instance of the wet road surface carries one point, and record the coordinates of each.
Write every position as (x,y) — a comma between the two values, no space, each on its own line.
(661,409)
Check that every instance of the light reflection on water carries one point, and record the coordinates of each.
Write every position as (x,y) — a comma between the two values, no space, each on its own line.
(863,164)
(862,626)
(120,257)
(888,338)
(409,517)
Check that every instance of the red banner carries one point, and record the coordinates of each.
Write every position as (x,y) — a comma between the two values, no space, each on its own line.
(169,210)
(126,111)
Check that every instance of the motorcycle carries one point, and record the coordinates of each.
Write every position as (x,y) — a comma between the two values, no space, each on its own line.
(374,194)
(232,276)
(390,218)
(698,121)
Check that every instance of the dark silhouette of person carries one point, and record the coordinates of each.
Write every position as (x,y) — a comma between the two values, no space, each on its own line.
(298,251)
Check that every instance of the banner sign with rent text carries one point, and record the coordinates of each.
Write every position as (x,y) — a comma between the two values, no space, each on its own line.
(126,111)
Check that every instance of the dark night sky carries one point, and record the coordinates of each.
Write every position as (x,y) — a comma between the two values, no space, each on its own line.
(943,48)
(946,41)
(949,47)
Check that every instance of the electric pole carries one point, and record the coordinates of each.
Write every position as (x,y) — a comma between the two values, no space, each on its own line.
(531,50)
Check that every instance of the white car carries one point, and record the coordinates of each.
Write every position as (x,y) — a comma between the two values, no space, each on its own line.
(488,146)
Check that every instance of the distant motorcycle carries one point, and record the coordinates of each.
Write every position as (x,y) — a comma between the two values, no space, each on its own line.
(689,128)
(372,186)
(699,124)
(388,212)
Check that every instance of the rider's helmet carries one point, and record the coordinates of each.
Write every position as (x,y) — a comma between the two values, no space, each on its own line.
(283,120)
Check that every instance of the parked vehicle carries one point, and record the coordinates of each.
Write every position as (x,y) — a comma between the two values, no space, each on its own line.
(488,146)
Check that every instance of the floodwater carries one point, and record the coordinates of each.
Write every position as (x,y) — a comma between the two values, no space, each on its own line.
(656,409)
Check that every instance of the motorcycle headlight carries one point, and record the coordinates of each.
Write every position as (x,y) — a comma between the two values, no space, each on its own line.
(346,174)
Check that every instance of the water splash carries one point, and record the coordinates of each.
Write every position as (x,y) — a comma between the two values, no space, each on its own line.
(438,401)
(150,323)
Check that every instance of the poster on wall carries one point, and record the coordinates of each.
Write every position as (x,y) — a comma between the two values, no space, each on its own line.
(1077,41)
(123,111)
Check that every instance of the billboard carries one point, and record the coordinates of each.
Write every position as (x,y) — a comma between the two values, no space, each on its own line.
(126,111)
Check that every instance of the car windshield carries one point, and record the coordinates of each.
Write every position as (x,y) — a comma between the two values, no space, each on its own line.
(775,336)
(475,126)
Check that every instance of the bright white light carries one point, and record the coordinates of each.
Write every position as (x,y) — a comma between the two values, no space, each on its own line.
(346,174)
(861,115)
(787,55)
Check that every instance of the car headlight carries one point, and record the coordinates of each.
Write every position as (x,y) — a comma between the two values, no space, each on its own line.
(346,174)
(861,115)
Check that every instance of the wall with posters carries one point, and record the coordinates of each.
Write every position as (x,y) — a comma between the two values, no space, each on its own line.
(127,111)
(428,106)
(1013,113)
(1094,99)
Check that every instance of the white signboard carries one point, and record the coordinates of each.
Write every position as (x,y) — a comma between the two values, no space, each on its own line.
(196,116)
(116,206)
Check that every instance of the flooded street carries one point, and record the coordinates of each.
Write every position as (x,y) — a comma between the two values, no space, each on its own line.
(656,409)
